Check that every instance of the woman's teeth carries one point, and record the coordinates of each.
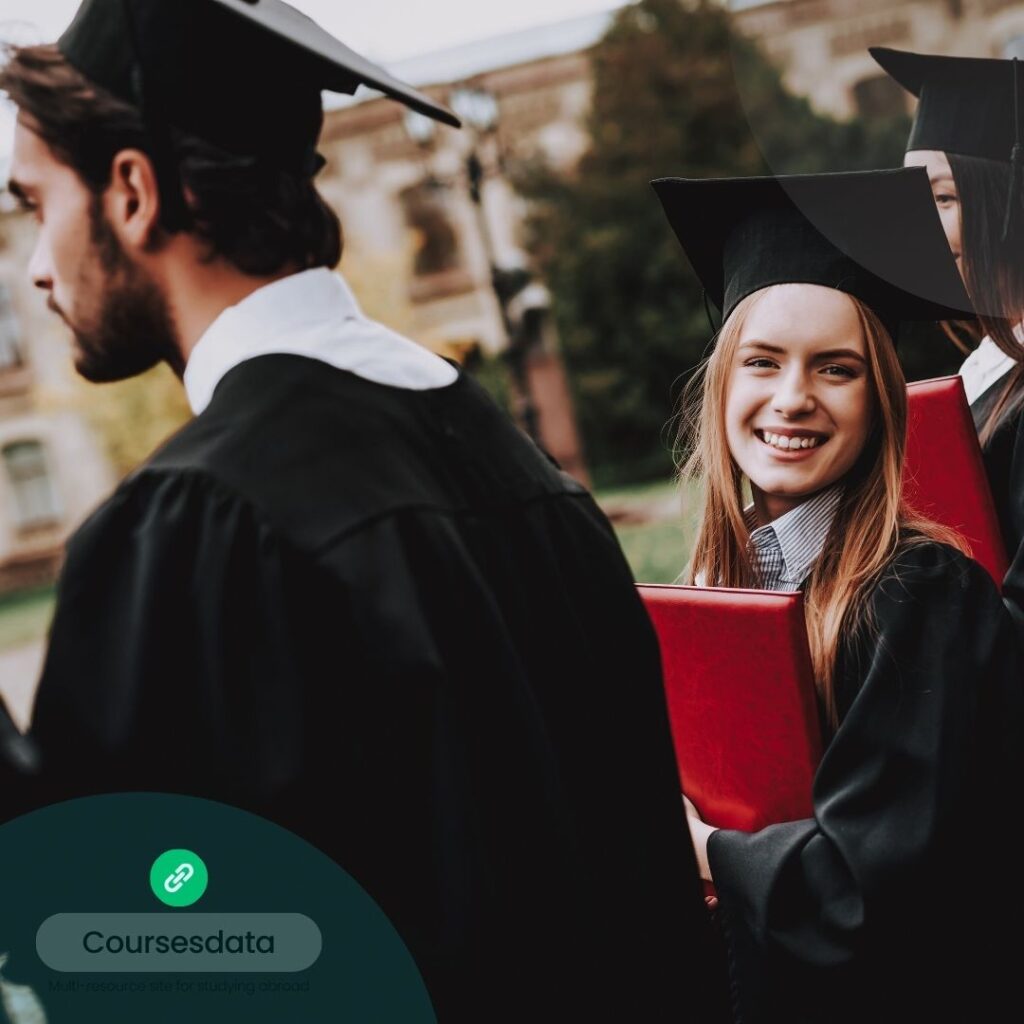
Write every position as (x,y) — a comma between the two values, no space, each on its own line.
(789,443)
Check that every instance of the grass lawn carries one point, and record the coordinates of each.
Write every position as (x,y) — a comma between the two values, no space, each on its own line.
(25,616)
(657,550)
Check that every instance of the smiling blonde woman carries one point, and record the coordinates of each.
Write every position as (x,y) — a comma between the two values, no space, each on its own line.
(800,360)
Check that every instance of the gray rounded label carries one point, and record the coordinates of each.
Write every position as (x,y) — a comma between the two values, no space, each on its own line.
(127,943)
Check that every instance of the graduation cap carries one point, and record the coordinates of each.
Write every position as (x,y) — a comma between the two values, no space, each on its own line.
(967,105)
(872,234)
(244,75)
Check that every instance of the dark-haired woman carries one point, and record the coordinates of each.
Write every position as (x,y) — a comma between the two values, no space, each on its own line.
(968,135)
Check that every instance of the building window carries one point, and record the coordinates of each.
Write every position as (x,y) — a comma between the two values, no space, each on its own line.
(10,334)
(879,96)
(437,245)
(35,499)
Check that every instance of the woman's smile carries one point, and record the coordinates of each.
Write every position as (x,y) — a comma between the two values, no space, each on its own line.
(790,444)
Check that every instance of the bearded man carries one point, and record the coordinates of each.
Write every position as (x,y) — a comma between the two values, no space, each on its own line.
(349,595)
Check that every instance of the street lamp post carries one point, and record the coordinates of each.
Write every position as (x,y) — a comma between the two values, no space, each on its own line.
(478,110)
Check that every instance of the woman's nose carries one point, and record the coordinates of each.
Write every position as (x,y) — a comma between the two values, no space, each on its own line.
(793,395)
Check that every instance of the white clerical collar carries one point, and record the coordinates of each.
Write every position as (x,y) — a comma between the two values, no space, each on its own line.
(314,314)
(984,366)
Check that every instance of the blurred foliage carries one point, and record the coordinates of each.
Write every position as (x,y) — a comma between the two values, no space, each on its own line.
(676,92)
(134,417)
(494,375)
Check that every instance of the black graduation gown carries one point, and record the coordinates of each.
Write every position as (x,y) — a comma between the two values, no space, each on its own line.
(383,619)
(1004,465)
(885,905)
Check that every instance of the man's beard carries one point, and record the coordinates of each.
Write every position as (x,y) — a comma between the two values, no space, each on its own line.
(132,328)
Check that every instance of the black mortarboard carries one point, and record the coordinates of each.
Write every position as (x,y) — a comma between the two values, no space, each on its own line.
(966,105)
(872,234)
(245,75)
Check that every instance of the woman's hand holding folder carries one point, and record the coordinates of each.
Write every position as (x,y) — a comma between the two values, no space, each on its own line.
(699,832)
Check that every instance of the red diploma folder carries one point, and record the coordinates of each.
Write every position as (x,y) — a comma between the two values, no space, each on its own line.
(944,475)
(741,701)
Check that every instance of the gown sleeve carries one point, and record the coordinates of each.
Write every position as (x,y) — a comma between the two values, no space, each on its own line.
(171,660)
(1004,466)
(921,767)
(1004,460)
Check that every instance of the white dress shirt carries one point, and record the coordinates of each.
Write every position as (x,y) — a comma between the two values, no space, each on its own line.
(984,366)
(314,314)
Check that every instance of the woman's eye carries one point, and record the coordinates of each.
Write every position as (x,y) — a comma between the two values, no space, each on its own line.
(761,363)
(837,370)
(945,199)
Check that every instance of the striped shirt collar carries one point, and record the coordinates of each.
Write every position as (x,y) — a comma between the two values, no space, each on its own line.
(784,551)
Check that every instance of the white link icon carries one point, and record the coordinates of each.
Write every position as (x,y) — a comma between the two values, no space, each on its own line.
(172,883)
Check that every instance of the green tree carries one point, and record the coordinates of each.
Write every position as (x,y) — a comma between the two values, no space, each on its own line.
(675,92)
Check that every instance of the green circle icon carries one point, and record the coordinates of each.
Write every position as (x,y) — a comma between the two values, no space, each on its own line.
(178,878)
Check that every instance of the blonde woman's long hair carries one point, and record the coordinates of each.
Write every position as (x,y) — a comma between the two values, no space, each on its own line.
(871,524)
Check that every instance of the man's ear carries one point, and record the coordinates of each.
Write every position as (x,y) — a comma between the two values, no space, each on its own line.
(132,200)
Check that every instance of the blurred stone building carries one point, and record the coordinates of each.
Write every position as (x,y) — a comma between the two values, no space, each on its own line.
(53,470)
(821,45)
(419,249)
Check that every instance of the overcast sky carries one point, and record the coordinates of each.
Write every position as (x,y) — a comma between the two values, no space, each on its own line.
(381,29)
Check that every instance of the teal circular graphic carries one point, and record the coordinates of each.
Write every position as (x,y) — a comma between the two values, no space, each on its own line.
(178,878)
(283,933)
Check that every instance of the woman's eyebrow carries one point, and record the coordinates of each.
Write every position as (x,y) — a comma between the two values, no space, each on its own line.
(832,353)
(763,345)
(840,353)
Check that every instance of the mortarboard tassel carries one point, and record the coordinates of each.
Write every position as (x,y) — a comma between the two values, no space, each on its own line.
(1016,159)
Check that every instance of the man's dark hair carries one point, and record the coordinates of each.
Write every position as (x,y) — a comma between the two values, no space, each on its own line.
(260,219)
